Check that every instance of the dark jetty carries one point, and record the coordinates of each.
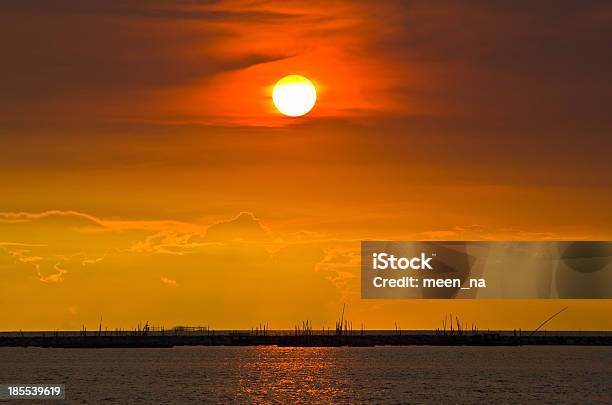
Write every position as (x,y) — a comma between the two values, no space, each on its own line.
(384,338)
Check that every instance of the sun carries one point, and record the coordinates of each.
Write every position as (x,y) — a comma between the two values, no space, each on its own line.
(294,95)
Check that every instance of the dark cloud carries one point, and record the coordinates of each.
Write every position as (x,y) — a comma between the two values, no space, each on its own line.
(57,56)
(523,61)
(176,10)
(520,61)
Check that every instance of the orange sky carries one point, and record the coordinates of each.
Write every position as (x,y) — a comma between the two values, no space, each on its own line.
(147,176)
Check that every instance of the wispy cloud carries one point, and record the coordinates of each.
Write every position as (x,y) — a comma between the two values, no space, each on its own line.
(56,277)
(168,282)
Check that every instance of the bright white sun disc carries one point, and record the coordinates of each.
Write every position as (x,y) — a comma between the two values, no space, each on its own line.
(294,95)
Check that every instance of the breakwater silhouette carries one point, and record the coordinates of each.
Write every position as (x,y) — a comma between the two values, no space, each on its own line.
(321,339)
(454,332)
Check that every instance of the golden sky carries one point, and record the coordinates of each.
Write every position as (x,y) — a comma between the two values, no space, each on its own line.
(147,176)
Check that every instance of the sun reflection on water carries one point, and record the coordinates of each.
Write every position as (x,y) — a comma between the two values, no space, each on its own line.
(294,373)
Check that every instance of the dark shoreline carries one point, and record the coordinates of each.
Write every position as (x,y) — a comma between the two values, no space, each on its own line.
(93,340)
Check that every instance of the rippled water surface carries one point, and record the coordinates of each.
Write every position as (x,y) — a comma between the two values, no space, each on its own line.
(321,375)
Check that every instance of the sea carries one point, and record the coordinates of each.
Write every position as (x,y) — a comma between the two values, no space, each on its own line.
(268,374)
